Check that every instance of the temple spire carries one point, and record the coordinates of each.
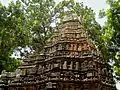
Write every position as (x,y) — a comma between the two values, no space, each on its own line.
(69,62)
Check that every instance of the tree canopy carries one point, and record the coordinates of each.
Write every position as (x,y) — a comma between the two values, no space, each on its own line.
(13,34)
(111,34)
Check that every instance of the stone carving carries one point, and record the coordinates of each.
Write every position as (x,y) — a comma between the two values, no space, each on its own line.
(69,62)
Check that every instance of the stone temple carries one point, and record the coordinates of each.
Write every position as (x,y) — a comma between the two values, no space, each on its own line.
(70,61)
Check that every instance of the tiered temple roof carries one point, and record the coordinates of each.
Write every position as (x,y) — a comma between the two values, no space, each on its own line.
(69,62)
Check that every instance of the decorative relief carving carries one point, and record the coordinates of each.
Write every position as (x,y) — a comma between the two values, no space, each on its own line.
(70,58)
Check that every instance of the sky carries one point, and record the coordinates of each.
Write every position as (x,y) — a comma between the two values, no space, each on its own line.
(96,5)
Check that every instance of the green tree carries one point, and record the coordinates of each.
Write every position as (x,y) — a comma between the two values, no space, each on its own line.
(111,34)
(13,33)
(39,15)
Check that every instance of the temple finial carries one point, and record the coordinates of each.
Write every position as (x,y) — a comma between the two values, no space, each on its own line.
(71,16)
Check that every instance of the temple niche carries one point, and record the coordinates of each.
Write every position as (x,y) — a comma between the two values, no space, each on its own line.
(69,62)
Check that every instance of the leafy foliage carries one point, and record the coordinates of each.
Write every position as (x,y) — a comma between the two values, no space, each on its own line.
(39,15)
(111,34)
(13,33)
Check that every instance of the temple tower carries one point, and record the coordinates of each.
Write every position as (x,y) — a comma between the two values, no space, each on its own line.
(69,62)
(73,62)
